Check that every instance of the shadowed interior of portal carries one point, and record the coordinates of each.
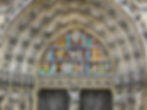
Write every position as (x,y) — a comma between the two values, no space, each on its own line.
(89,100)
(53,100)
(95,100)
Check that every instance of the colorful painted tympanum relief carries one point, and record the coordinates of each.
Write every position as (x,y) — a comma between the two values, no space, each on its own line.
(75,52)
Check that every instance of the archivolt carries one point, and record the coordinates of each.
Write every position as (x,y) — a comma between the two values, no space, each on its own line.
(29,33)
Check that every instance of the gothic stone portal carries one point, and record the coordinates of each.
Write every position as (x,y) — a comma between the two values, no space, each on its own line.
(89,100)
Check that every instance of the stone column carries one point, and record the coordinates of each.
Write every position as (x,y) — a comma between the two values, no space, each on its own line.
(145,98)
(118,102)
(27,104)
(74,99)
(16,107)
(4,103)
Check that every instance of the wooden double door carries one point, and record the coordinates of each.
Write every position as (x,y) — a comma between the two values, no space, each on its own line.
(89,100)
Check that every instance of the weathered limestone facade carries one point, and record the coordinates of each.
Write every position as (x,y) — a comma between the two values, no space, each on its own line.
(27,28)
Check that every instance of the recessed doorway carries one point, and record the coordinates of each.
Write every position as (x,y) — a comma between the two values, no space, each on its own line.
(96,100)
(53,100)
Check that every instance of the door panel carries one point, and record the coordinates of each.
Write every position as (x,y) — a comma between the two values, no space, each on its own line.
(53,100)
(96,100)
